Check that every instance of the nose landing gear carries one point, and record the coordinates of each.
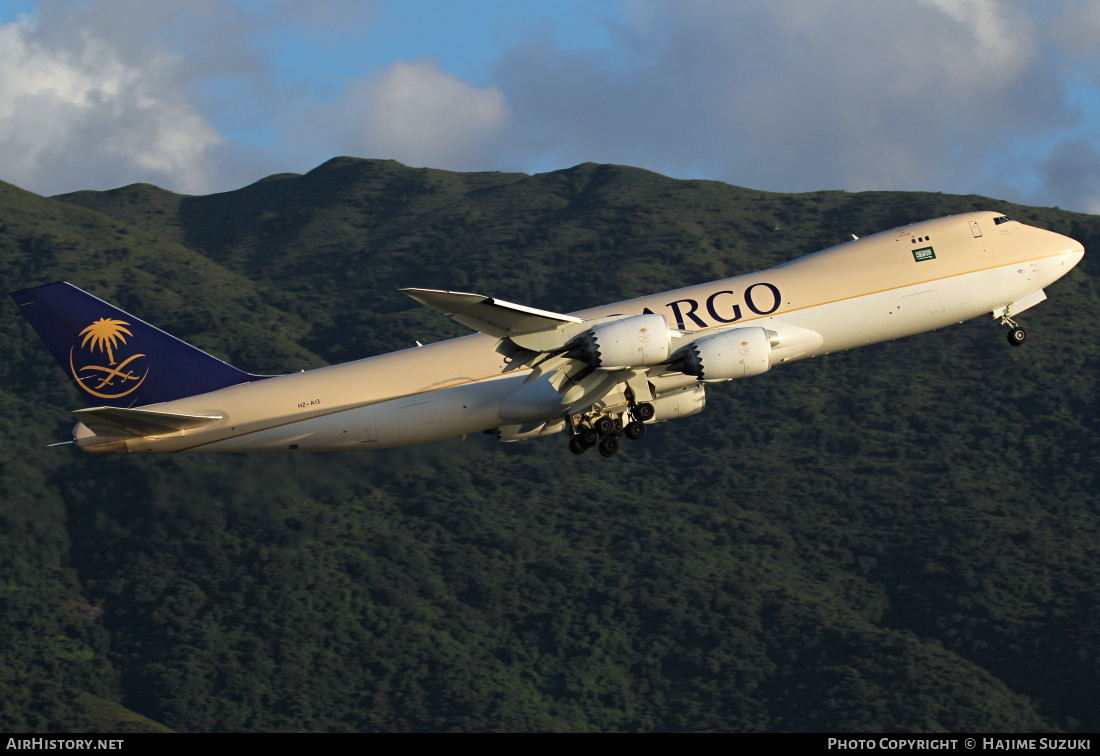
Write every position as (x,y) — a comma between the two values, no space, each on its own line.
(1016,334)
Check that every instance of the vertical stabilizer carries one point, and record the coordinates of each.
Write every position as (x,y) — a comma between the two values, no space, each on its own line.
(115,359)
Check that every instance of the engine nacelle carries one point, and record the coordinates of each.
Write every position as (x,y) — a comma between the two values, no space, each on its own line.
(636,341)
(736,353)
(679,403)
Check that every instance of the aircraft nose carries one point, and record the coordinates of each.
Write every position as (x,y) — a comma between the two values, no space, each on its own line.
(1072,251)
(1074,254)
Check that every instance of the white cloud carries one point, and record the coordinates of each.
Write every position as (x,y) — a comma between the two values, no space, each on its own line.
(799,95)
(79,116)
(423,116)
(993,38)
(989,96)
(411,112)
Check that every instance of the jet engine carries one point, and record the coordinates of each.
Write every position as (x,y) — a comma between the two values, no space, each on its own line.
(684,402)
(636,341)
(736,353)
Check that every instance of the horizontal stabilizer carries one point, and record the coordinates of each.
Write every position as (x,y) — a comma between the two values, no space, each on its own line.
(491,316)
(114,421)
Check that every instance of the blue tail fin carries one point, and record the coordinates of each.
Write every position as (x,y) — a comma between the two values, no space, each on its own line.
(115,359)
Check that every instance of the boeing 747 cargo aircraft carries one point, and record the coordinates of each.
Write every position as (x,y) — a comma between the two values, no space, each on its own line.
(598,375)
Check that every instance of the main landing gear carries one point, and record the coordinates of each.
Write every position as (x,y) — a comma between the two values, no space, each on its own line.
(1016,335)
(605,430)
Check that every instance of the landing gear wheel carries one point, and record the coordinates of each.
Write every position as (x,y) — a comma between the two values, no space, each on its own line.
(635,430)
(644,412)
(609,446)
(605,426)
(1017,336)
(587,438)
(576,446)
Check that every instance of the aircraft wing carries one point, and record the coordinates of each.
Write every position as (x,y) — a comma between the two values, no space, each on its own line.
(541,341)
(489,315)
(116,421)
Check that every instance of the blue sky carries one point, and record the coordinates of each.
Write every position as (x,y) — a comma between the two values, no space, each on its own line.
(995,97)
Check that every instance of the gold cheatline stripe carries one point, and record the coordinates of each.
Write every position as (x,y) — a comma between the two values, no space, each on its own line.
(347,409)
(527,370)
(892,288)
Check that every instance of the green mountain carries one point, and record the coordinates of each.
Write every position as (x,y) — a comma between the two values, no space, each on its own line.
(901,537)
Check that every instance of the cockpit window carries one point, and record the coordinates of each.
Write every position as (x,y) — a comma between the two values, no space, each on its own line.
(1001,219)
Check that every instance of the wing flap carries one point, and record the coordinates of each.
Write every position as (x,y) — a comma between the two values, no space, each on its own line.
(115,421)
(489,315)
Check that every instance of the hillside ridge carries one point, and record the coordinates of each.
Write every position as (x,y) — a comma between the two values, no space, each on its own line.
(897,538)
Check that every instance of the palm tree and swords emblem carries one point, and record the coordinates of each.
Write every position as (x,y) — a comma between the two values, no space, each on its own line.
(105,335)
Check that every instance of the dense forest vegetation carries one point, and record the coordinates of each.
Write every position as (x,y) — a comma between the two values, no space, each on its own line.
(902,537)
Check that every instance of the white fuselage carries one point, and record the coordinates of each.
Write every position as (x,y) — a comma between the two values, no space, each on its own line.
(893,284)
